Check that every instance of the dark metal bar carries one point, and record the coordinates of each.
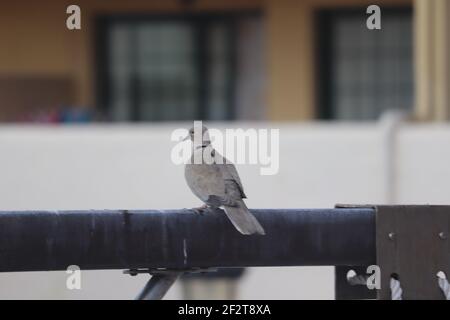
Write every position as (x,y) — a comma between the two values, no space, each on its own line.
(181,239)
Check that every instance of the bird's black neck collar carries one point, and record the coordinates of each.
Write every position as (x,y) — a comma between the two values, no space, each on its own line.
(203,146)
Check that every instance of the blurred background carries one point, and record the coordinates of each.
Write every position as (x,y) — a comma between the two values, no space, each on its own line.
(86,115)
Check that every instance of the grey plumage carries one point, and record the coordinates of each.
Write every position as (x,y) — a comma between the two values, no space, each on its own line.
(218,185)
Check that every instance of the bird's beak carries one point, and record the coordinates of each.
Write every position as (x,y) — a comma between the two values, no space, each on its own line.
(186,138)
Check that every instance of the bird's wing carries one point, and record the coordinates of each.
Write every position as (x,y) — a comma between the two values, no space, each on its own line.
(230,173)
(217,183)
(229,191)
(205,180)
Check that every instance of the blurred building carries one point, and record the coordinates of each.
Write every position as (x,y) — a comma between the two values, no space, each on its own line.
(223,60)
(180,60)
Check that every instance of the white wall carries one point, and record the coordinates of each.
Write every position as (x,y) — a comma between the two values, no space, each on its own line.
(98,167)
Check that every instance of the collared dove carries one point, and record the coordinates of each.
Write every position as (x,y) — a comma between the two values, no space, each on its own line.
(216,182)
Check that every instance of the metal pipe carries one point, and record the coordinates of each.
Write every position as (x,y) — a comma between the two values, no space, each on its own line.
(181,239)
(157,287)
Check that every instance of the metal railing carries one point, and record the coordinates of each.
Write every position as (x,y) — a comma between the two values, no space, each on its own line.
(182,239)
(169,243)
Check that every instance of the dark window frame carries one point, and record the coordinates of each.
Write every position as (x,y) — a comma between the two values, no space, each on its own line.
(323,49)
(199,21)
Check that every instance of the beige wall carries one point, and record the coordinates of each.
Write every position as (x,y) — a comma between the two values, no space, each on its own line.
(432,52)
(33,37)
(291,60)
(38,43)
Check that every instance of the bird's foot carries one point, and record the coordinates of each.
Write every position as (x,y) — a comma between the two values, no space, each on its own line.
(200,210)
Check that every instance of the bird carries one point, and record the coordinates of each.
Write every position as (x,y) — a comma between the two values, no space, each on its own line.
(217,183)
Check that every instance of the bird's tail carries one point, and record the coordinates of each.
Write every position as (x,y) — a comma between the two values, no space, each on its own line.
(242,219)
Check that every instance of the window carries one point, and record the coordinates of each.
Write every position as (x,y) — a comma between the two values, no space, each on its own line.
(168,68)
(364,72)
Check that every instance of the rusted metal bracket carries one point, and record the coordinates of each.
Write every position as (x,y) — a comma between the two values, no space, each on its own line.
(412,243)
